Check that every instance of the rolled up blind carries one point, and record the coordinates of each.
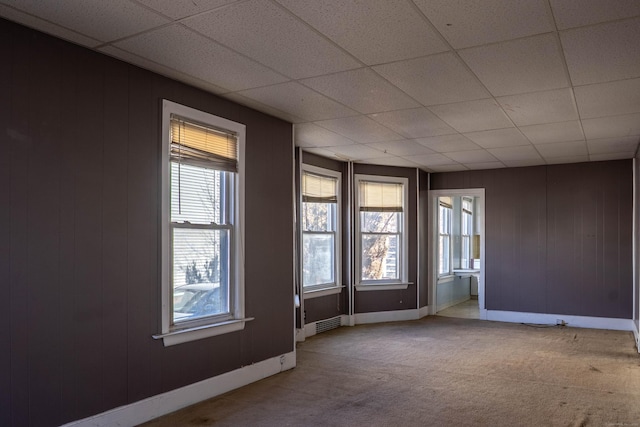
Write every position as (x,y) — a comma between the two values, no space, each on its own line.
(319,188)
(380,196)
(203,146)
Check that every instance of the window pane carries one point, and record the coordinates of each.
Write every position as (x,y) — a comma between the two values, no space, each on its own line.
(443,255)
(200,273)
(318,262)
(380,257)
(466,252)
(379,222)
(196,194)
(318,216)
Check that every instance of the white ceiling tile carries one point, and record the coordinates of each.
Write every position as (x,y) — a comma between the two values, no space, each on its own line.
(414,123)
(401,148)
(190,53)
(436,79)
(448,143)
(608,99)
(611,127)
(391,161)
(432,159)
(272,36)
(487,165)
(98,19)
(613,145)
(363,90)
(603,52)
(374,31)
(563,149)
(323,152)
(160,69)
(472,116)
(540,107)
(252,103)
(470,23)
(553,132)
(508,137)
(611,156)
(360,129)
(570,159)
(293,98)
(519,66)
(454,167)
(524,152)
(356,152)
(47,27)
(572,13)
(312,135)
(177,9)
(474,156)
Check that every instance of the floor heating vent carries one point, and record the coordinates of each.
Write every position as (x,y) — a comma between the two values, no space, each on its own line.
(327,325)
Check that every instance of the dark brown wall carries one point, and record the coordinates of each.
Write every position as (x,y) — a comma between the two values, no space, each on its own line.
(373,301)
(79,235)
(423,238)
(329,306)
(558,238)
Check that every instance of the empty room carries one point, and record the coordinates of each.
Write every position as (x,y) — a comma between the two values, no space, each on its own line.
(319,212)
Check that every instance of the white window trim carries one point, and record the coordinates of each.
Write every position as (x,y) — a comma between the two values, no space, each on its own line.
(449,273)
(329,288)
(371,285)
(201,328)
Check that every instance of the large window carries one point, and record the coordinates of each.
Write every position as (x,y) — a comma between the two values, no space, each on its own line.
(320,228)
(381,224)
(444,235)
(466,233)
(202,266)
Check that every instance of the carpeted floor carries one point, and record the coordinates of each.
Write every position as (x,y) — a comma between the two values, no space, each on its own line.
(441,371)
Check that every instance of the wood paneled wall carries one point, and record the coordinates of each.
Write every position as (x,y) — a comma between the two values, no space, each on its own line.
(558,237)
(79,235)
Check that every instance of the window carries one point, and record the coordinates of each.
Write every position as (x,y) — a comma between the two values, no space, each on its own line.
(202,265)
(381,224)
(444,235)
(467,232)
(320,228)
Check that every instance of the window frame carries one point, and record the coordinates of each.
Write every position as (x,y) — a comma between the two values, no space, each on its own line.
(403,235)
(449,208)
(466,237)
(323,288)
(185,331)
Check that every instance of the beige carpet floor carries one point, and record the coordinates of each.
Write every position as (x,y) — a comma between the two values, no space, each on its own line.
(441,371)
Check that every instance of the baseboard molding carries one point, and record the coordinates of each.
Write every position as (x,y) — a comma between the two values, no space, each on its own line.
(424,311)
(386,316)
(552,319)
(162,404)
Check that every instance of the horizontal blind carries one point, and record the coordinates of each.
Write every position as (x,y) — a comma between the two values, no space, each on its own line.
(380,196)
(203,146)
(319,188)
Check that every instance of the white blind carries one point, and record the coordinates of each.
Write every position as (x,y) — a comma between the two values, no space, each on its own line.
(319,188)
(203,146)
(380,196)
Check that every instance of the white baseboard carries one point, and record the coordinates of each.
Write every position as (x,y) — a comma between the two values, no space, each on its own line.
(424,311)
(552,319)
(452,303)
(165,403)
(386,316)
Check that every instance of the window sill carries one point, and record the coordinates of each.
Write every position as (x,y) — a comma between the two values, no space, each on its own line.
(200,332)
(446,278)
(382,286)
(315,293)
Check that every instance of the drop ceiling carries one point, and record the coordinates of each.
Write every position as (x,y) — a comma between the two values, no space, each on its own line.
(443,85)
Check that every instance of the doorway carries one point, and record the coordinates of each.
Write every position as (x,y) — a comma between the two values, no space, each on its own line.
(456,253)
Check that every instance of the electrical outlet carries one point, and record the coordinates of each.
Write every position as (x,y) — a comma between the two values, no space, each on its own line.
(561,322)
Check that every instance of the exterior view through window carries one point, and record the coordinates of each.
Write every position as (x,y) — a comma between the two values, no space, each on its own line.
(381,226)
(320,228)
(444,235)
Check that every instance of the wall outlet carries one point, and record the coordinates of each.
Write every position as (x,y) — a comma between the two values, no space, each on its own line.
(561,322)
